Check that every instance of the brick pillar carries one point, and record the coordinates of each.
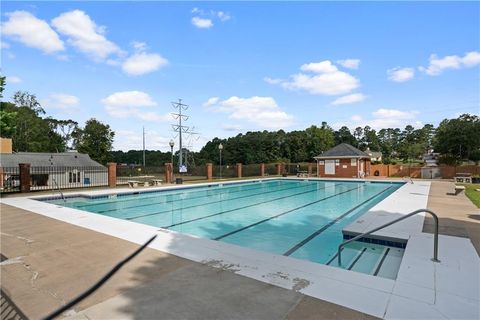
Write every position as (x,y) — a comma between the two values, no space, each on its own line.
(279,169)
(209,171)
(2,177)
(24,177)
(262,169)
(168,172)
(239,170)
(112,174)
(309,170)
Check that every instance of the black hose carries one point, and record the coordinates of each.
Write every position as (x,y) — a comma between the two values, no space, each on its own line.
(97,285)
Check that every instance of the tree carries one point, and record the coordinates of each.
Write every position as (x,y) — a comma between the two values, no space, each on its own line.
(64,128)
(343,135)
(95,139)
(459,138)
(26,99)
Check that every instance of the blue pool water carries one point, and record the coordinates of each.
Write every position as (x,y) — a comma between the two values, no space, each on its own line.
(298,218)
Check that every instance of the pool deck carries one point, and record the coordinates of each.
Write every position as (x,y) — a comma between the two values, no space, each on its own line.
(160,283)
(50,262)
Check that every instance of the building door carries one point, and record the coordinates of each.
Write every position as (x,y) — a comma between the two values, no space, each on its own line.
(329,166)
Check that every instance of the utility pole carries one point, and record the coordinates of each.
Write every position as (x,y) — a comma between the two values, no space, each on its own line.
(143,147)
(179,127)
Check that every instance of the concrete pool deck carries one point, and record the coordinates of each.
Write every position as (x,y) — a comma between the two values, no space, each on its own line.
(380,297)
(52,261)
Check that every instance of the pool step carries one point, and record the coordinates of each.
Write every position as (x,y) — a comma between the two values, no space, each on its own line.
(376,260)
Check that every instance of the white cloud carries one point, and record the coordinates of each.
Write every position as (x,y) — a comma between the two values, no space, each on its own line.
(127,104)
(383,118)
(13,79)
(61,101)
(272,80)
(326,80)
(202,23)
(351,98)
(211,101)
(328,84)
(223,16)
(471,59)
(260,111)
(4,45)
(139,46)
(349,63)
(85,35)
(400,74)
(438,65)
(319,67)
(129,99)
(32,32)
(142,63)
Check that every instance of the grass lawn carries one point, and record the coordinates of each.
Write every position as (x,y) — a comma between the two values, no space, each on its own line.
(473,194)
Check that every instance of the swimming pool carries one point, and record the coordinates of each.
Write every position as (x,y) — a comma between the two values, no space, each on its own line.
(298,218)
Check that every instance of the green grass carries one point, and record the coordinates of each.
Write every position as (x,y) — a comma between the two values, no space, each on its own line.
(473,194)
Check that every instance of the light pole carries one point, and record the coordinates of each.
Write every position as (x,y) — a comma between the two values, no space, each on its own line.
(171,143)
(220,148)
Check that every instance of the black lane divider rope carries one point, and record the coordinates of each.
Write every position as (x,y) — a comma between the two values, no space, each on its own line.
(251,205)
(228,187)
(284,213)
(192,198)
(99,283)
(328,225)
(213,202)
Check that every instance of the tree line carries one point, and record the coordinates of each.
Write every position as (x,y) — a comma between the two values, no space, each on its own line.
(22,119)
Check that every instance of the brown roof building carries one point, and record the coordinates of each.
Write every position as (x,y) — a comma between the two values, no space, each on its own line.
(343,161)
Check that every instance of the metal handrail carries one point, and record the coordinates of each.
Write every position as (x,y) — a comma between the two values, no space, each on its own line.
(435,236)
(58,188)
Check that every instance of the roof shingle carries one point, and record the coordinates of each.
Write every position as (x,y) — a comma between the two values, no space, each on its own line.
(343,150)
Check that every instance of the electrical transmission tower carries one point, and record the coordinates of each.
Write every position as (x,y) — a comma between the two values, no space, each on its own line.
(180,107)
(192,135)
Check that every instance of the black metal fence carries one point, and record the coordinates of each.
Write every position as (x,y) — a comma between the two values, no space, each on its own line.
(9,179)
(52,177)
(139,173)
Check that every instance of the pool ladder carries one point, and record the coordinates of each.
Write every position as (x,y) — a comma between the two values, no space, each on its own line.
(58,189)
(435,234)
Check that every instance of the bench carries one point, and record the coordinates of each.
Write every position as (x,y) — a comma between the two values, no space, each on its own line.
(302,174)
(459,189)
(463,178)
(157,182)
(133,183)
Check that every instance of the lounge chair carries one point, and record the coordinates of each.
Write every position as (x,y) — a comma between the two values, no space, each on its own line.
(459,189)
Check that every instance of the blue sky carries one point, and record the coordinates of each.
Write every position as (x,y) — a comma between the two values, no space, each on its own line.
(243,66)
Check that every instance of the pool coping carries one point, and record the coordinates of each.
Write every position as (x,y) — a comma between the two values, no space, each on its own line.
(372,295)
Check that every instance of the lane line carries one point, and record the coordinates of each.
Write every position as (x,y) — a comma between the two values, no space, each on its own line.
(377,270)
(165,192)
(284,213)
(175,200)
(251,205)
(328,225)
(213,202)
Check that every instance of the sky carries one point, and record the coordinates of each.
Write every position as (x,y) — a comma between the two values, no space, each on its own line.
(243,66)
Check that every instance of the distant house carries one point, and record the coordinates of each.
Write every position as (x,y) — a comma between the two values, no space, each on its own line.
(343,161)
(47,170)
(374,155)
